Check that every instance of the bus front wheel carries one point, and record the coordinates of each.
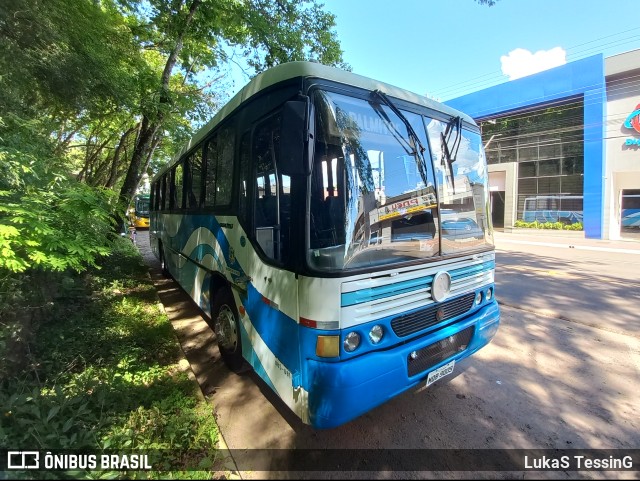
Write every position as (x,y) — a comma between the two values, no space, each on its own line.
(226,325)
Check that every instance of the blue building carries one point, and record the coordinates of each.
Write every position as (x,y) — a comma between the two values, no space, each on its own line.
(563,145)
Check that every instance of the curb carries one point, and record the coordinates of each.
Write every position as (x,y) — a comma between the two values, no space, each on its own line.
(578,246)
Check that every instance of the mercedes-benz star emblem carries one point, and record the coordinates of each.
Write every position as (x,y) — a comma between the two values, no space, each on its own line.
(441,286)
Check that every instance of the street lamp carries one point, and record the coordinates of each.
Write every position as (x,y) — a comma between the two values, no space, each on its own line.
(489,141)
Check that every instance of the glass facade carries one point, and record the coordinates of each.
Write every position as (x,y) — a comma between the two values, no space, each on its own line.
(548,146)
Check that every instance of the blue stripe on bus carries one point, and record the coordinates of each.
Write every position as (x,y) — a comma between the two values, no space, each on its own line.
(249,353)
(469,271)
(208,222)
(375,293)
(201,250)
(283,342)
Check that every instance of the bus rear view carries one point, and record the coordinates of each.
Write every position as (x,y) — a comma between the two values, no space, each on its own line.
(342,247)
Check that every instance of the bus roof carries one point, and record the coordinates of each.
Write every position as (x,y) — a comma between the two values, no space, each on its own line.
(292,70)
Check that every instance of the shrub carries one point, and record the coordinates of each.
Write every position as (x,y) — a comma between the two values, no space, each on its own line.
(55,229)
(575,226)
(548,225)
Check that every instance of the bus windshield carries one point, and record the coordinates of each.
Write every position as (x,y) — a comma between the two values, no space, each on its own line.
(464,198)
(373,196)
(142,206)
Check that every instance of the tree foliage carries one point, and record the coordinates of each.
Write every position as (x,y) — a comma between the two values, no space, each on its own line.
(192,36)
(47,220)
(93,89)
(55,229)
(65,65)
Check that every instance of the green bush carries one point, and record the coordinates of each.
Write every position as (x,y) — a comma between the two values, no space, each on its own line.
(55,229)
(575,226)
(103,370)
(548,225)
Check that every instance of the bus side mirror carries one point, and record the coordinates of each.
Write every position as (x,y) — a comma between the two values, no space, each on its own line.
(295,138)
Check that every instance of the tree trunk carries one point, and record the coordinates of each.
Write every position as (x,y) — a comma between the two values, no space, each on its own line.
(146,134)
(149,127)
(154,146)
(113,174)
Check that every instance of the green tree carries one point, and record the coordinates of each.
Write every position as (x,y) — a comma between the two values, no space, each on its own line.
(194,35)
(92,89)
(65,65)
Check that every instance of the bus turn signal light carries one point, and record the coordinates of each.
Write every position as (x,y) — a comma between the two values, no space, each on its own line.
(328,346)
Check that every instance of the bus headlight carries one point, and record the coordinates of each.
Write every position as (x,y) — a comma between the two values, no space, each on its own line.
(375,334)
(489,294)
(478,298)
(351,341)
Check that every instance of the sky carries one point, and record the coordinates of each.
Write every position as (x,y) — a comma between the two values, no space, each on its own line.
(448,48)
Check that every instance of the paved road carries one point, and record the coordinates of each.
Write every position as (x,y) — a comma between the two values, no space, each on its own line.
(592,282)
(542,383)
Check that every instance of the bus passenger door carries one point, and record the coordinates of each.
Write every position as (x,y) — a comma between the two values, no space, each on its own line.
(272,304)
(272,199)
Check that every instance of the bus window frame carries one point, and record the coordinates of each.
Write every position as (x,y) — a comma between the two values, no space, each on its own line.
(165,188)
(426,113)
(188,179)
(276,260)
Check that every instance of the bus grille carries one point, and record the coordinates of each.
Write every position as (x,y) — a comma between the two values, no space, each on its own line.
(409,323)
(439,351)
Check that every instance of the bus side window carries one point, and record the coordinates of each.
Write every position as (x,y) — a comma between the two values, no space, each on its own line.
(272,192)
(211,171)
(163,193)
(219,159)
(156,194)
(226,141)
(194,179)
(245,178)
(176,187)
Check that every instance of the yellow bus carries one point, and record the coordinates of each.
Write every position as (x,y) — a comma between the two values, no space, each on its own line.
(139,211)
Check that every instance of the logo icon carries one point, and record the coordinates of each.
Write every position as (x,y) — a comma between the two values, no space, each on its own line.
(23,460)
(633,121)
(440,286)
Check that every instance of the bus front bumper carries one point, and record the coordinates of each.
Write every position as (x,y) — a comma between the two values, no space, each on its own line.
(342,391)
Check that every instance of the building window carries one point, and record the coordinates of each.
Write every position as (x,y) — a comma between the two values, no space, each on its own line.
(547,145)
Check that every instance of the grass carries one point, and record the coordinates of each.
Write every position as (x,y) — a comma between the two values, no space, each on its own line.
(101,369)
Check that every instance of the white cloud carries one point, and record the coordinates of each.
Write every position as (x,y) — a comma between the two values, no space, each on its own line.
(521,62)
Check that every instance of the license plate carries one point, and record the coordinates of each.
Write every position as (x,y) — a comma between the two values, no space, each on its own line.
(441,372)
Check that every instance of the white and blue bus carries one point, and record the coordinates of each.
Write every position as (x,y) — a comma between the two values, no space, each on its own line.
(336,233)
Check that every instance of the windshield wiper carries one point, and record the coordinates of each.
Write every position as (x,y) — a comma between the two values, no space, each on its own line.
(449,153)
(417,147)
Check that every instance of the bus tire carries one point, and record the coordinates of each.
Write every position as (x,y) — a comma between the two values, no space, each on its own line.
(226,325)
(163,262)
